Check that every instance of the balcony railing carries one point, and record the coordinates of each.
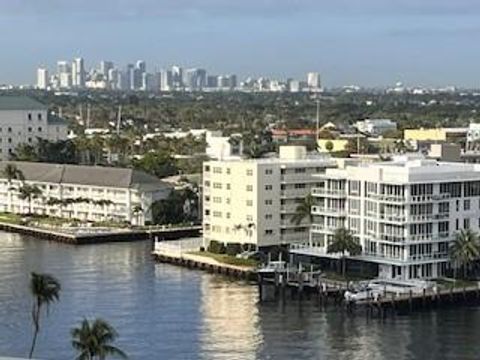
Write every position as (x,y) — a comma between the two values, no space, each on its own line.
(329,192)
(322,210)
(432,256)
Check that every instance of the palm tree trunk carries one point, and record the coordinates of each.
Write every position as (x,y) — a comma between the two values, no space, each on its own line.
(36,326)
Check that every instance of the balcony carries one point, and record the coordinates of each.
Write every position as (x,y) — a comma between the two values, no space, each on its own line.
(426,257)
(333,193)
(429,198)
(387,198)
(294,193)
(320,228)
(322,210)
(395,218)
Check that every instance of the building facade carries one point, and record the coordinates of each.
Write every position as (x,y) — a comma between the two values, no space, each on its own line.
(24,120)
(129,193)
(405,213)
(253,201)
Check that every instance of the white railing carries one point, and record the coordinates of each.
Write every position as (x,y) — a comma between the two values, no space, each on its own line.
(328,211)
(178,247)
(433,256)
(329,192)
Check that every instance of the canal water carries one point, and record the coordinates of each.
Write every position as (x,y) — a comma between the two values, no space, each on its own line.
(166,312)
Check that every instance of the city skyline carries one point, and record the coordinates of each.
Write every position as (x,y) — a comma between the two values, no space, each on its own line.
(370,44)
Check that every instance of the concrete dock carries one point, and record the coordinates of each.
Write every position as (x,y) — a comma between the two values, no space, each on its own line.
(91,235)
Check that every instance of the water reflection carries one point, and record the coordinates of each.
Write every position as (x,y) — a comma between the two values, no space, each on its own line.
(162,311)
(230,320)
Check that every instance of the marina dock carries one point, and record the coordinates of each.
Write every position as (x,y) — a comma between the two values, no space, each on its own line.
(180,253)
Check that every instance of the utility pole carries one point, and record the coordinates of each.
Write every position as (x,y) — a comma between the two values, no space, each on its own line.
(88,115)
(119,118)
(318,119)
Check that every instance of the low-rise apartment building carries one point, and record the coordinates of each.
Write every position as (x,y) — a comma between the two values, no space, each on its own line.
(405,213)
(253,200)
(78,192)
(23,120)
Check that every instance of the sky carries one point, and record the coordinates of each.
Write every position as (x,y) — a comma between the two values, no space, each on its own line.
(363,42)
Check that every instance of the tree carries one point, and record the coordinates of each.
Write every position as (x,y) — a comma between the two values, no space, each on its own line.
(93,340)
(29,192)
(160,164)
(11,172)
(329,146)
(464,250)
(45,290)
(303,211)
(344,242)
(137,211)
(103,203)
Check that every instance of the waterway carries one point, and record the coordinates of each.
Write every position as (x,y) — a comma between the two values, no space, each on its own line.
(166,312)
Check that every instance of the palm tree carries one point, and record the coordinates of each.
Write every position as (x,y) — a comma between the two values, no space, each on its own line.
(344,242)
(103,203)
(303,211)
(45,290)
(93,340)
(11,172)
(29,192)
(464,250)
(137,211)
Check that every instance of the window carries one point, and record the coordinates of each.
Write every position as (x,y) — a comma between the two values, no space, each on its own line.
(268,202)
(228,215)
(249,218)
(300,170)
(29,116)
(268,171)
(466,204)
(9,140)
(39,116)
(466,223)
(217,170)
(268,232)
(249,203)
(217,199)
(29,139)
(29,129)
(206,168)
(457,224)
(268,187)
(300,186)
(39,129)
(217,185)
(269,217)
(217,214)
(249,187)
(228,171)
(9,129)
(228,186)
(249,172)
(228,201)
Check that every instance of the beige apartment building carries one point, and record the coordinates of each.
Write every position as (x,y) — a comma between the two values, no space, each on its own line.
(253,200)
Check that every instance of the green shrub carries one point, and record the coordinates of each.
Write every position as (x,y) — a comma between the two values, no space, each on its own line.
(233,249)
(216,247)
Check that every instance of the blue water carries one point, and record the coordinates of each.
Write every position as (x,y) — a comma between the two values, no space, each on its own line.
(166,312)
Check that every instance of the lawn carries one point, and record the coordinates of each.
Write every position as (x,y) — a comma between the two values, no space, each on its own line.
(227,259)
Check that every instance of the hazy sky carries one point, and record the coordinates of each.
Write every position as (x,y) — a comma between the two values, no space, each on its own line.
(366,42)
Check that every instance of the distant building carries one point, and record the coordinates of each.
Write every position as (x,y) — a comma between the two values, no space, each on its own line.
(78,73)
(223,147)
(105,68)
(166,80)
(335,144)
(423,138)
(42,78)
(375,126)
(124,189)
(313,80)
(253,200)
(24,120)
(284,136)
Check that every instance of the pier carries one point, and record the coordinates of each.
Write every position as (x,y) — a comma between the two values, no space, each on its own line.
(181,253)
(92,235)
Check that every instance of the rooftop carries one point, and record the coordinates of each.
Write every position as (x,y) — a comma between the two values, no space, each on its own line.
(8,102)
(86,175)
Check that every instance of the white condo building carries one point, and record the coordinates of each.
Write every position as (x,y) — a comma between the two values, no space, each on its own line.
(23,120)
(405,212)
(253,200)
(124,189)
(42,78)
